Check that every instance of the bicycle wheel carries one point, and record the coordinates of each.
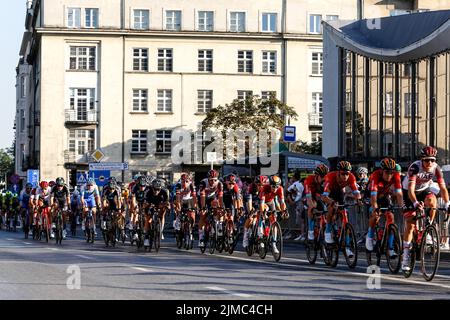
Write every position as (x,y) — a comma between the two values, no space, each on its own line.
(324,252)
(349,242)
(430,252)
(276,241)
(157,235)
(333,249)
(262,247)
(230,237)
(311,251)
(46,230)
(179,238)
(251,242)
(212,239)
(394,243)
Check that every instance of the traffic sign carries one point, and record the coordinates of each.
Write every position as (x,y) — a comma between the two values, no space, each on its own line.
(100,176)
(81,178)
(113,166)
(98,155)
(211,156)
(289,134)
(33,177)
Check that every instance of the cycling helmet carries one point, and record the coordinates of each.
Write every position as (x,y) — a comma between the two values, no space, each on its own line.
(398,168)
(43,184)
(428,152)
(60,181)
(213,174)
(142,181)
(344,166)
(51,184)
(388,164)
(28,186)
(362,170)
(136,177)
(321,170)
(275,181)
(91,182)
(157,184)
(261,179)
(231,178)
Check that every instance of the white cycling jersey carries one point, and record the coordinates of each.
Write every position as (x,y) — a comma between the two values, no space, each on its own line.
(424,179)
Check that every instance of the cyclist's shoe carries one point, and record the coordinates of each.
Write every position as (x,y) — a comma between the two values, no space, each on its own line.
(146,242)
(405,263)
(64,233)
(245,243)
(82,226)
(95,232)
(104,225)
(52,235)
(177,224)
(274,248)
(429,239)
(328,238)
(162,236)
(369,243)
(130,226)
(201,243)
(261,245)
(135,236)
(30,233)
(53,226)
(392,254)
(310,235)
(349,252)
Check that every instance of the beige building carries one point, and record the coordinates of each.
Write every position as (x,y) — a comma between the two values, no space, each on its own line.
(121,75)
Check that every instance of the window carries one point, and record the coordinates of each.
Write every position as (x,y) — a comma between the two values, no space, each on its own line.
(242,95)
(22,120)
(204,103)
(82,101)
(317,63)
(316,136)
(91,18)
(23,87)
(166,175)
(139,141)
(245,61)
(140,59)
(269,22)
(408,104)
(173,20)
(348,101)
(140,98)
(81,141)
(205,21)
(165,60)
(74,17)
(407,70)
(389,68)
(269,62)
(141,19)
(164,100)
(388,104)
(266,95)
(205,60)
(237,21)
(316,107)
(348,63)
(163,141)
(315,21)
(331,17)
(82,58)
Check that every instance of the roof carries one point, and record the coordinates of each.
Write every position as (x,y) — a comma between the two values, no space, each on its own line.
(400,39)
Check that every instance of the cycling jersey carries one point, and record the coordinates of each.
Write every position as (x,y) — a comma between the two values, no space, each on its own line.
(110,195)
(25,198)
(298,188)
(157,199)
(267,195)
(187,192)
(422,178)
(139,194)
(211,191)
(89,196)
(42,193)
(313,188)
(336,190)
(60,195)
(378,186)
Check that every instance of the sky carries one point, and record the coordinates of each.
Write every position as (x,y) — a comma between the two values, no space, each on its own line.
(12,26)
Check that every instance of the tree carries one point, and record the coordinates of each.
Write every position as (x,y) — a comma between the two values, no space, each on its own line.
(6,163)
(308,148)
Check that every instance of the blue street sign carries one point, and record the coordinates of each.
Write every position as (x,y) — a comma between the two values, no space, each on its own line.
(289,134)
(81,178)
(100,176)
(33,177)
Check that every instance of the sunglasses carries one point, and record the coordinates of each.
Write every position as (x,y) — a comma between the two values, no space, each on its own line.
(389,171)
(344,173)
(428,160)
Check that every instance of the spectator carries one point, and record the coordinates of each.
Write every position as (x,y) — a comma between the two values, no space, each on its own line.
(297,188)
(238,179)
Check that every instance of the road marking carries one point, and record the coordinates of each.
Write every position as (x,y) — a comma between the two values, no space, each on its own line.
(243,295)
(9,239)
(53,249)
(141,269)
(27,242)
(84,257)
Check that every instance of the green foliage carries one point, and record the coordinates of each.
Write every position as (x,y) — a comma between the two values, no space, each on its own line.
(308,148)
(6,162)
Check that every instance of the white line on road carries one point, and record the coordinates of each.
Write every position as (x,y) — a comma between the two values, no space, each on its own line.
(27,243)
(9,239)
(141,269)
(53,249)
(84,257)
(243,295)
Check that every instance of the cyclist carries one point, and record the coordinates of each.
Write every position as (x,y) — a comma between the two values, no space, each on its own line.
(24,199)
(295,193)
(384,182)
(272,196)
(111,200)
(41,199)
(186,197)
(90,199)
(419,195)
(158,198)
(314,190)
(333,194)
(15,208)
(253,200)
(232,198)
(60,192)
(210,189)
(138,198)
(75,203)
(362,179)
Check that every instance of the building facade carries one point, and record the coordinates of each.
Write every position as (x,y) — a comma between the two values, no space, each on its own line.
(388,86)
(122,75)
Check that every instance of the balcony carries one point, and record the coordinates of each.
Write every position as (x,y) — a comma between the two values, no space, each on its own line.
(74,157)
(80,117)
(315,120)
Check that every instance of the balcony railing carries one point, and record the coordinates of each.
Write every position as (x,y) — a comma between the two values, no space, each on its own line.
(74,157)
(81,116)
(315,119)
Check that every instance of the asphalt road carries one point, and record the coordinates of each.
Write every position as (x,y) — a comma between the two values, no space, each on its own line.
(37,270)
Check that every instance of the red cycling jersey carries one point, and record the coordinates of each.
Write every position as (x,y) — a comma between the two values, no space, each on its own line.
(312,187)
(267,195)
(377,185)
(332,185)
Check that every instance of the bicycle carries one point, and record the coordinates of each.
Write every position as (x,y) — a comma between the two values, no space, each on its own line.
(154,233)
(387,238)
(187,225)
(270,236)
(312,247)
(423,249)
(26,221)
(206,232)
(89,226)
(109,228)
(44,227)
(59,226)
(139,228)
(344,238)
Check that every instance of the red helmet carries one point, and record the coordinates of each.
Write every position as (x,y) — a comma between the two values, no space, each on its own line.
(213,174)
(231,178)
(43,184)
(321,170)
(344,166)
(261,179)
(428,152)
